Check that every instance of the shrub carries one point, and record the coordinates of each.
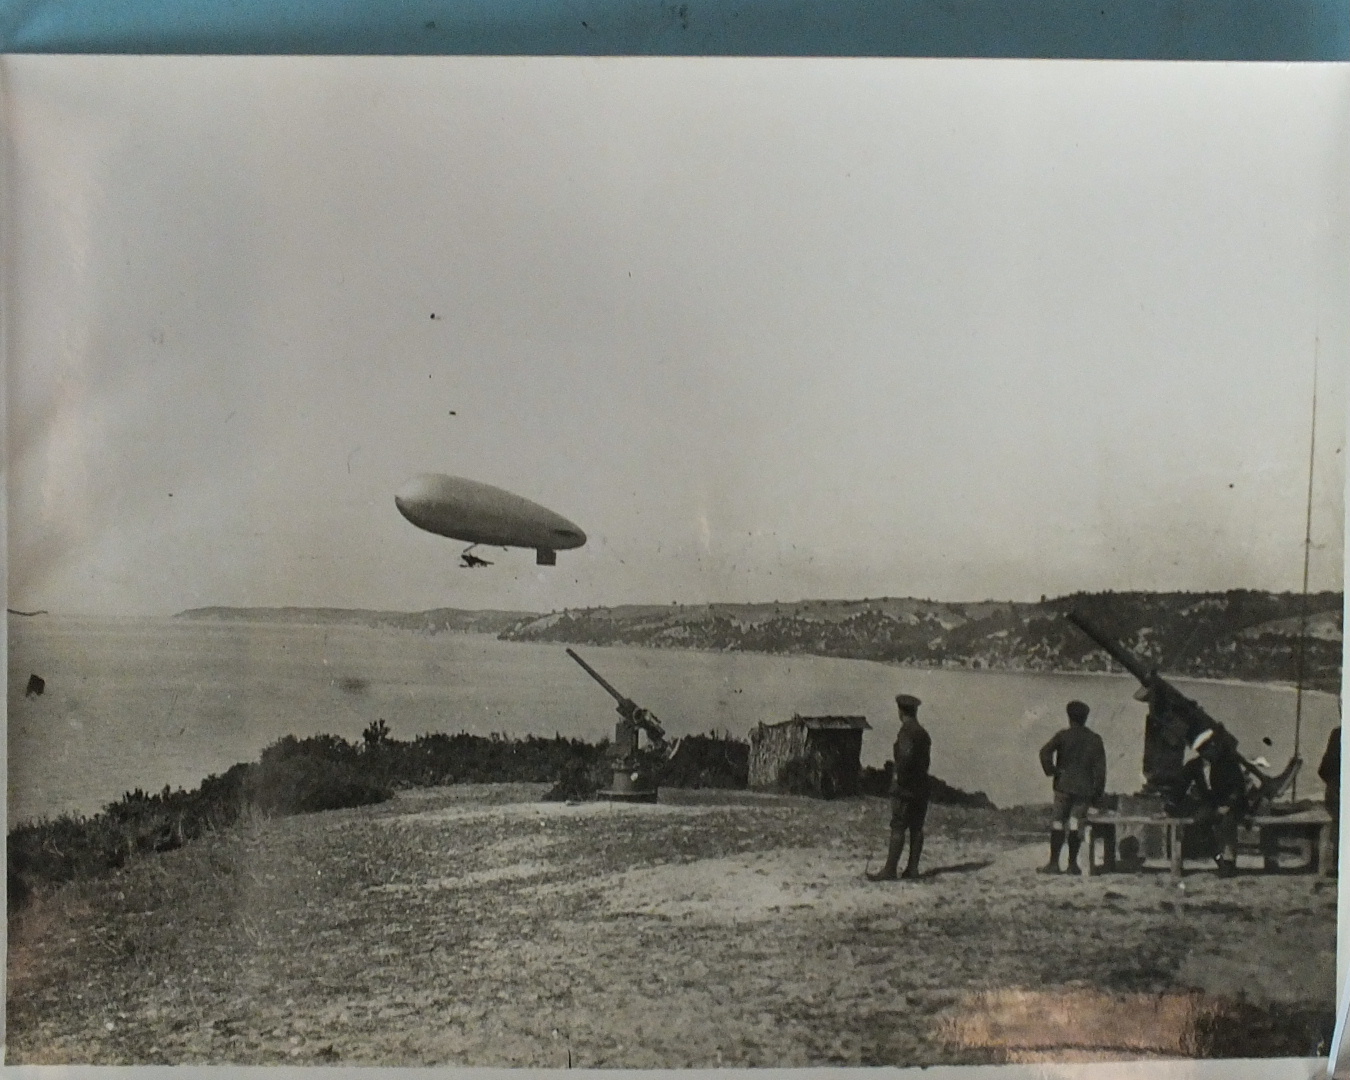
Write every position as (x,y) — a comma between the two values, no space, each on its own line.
(325,772)
(709,761)
(293,776)
(579,779)
(878,782)
(305,785)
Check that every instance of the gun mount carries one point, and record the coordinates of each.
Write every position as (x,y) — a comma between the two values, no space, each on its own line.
(1176,722)
(634,767)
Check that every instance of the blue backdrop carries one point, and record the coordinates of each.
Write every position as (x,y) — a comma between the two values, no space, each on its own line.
(1295,30)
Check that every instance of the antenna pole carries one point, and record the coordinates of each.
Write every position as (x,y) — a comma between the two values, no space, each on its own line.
(1307,553)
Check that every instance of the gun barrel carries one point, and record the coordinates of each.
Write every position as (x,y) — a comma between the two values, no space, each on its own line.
(1195,718)
(598,678)
(1119,655)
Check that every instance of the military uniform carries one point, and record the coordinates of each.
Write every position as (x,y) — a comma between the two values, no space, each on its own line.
(1330,772)
(909,791)
(1219,784)
(1076,758)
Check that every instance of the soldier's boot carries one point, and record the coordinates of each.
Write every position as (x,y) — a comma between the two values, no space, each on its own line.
(1227,860)
(1075,841)
(912,864)
(897,845)
(1056,845)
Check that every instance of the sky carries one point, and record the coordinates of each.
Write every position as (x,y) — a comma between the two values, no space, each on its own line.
(764,329)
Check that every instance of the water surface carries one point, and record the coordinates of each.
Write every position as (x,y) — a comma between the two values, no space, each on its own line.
(148,702)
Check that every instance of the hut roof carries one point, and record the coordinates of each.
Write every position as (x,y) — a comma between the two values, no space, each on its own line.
(827,723)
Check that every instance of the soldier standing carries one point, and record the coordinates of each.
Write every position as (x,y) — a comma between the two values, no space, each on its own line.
(1330,772)
(909,791)
(1076,758)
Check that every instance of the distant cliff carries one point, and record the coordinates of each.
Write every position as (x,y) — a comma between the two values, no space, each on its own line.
(1242,634)
(435,621)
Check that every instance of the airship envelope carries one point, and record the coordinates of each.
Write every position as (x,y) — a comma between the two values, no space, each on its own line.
(482,514)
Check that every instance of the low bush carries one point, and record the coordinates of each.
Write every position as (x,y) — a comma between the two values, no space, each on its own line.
(292,777)
(878,782)
(325,772)
(306,785)
(708,761)
(579,780)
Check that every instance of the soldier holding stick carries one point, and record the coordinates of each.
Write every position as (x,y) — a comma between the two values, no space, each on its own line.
(909,792)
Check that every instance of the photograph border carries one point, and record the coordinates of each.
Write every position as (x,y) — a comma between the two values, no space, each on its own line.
(1306,30)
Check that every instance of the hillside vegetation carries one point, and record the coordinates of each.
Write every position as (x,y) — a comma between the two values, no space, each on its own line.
(1242,634)
(435,621)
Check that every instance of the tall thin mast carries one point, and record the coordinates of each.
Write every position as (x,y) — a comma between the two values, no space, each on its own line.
(1307,553)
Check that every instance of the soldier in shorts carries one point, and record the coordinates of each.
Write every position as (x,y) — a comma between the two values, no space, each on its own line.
(1076,759)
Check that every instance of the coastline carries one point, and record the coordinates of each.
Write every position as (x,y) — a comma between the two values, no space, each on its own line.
(992,669)
(191,617)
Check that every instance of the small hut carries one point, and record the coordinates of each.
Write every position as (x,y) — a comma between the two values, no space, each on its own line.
(808,755)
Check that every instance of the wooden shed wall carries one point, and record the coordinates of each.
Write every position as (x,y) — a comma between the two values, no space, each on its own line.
(841,757)
(836,754)
(771,748)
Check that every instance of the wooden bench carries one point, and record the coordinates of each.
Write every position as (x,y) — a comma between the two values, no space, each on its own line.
(1315,825)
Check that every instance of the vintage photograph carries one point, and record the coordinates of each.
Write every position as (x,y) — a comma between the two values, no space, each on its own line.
(673,563)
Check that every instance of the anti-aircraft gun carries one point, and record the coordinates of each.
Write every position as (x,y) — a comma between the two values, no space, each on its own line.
(1176,722)
(634,768)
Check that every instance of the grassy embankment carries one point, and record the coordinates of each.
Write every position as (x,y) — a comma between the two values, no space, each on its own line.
(324,772)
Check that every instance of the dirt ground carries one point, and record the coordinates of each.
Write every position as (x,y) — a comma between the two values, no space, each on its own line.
(479,926)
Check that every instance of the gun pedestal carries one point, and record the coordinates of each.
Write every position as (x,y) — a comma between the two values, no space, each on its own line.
(629,784)
(626,789)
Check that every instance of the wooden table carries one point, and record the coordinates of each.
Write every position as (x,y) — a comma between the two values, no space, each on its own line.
(1315,824)
(1104,825)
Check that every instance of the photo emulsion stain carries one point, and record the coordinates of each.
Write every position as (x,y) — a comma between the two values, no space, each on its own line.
(673,564)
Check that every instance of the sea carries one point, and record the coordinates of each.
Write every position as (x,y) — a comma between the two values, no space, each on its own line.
(153,702)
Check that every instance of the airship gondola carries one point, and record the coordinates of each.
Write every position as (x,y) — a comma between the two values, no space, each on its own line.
(479,513)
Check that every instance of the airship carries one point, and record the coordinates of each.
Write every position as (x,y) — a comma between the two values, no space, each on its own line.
(479,513)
